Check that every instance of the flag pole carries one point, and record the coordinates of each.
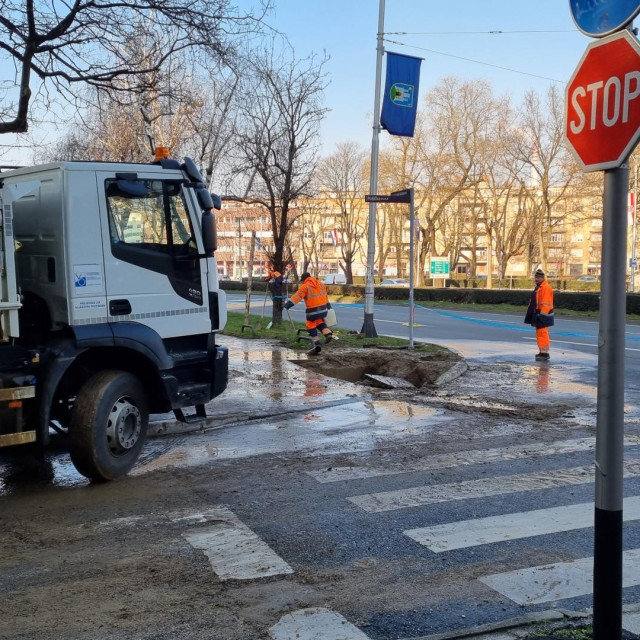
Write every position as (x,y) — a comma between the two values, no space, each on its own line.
(368,326)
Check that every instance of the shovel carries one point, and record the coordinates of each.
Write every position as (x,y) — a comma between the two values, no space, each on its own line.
(293,326)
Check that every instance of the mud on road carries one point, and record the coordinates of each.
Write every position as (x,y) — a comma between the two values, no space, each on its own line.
(112,561)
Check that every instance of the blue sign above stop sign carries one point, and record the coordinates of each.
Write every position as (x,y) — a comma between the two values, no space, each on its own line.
(598,18)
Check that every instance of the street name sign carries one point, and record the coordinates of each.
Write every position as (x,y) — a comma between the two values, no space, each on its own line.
(599,18)
(603,103)
(396,196)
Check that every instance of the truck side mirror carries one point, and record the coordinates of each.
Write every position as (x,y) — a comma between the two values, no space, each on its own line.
(209,233)
(204,199)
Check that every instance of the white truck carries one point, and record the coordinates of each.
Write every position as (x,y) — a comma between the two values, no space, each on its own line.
(109,306)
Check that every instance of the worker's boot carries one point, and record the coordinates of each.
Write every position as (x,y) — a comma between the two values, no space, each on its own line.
(542,357)
(328,337)
(315,350)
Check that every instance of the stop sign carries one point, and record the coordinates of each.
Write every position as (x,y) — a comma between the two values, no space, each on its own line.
(603,103)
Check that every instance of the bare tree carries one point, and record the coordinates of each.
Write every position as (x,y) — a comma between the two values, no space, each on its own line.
(309,229)
(443,158)
(277,141)
(540,146)
(89,44)
(342,176)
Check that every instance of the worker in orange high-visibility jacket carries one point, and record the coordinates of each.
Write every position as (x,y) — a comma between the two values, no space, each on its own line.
(275,280)
(314,294)
(540,314)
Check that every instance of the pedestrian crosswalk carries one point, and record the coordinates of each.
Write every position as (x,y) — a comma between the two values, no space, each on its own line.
(236,552)
(526,586)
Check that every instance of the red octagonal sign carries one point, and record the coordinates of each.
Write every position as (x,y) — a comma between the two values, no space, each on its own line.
(603,102)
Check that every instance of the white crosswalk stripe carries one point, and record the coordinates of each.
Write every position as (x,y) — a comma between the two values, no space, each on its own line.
(234,550)
(558,581)
(470,489)
(470,533)
(462,458)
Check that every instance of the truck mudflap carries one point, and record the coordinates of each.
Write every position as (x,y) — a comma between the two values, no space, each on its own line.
(220,370)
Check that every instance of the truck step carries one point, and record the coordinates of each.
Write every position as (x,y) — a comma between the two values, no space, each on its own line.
(198,416)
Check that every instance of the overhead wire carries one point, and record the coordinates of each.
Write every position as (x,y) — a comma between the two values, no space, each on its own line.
(486,64)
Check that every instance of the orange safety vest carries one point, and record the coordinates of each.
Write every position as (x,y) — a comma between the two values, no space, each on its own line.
(314,294)
(272,274)
(544,298)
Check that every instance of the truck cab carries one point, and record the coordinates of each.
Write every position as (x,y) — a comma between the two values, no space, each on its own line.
(110,306)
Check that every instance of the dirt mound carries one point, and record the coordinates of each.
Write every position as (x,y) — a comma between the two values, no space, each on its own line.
(419,368)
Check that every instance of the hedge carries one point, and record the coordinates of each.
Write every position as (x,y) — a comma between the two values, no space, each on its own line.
(569,300)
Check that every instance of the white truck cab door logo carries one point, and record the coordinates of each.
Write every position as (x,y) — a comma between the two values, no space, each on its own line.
(87,279)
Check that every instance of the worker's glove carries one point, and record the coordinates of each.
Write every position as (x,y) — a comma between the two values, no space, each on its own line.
(288,304)
(328,305)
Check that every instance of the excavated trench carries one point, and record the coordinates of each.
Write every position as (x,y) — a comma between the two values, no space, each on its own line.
(418,368)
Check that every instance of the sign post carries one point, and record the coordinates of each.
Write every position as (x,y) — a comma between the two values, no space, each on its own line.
(405,196)
(602,128)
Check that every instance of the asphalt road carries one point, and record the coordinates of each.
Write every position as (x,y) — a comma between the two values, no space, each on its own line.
(476,328)
(326,513)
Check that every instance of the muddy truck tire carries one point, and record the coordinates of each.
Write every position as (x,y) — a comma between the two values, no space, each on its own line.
(108,425)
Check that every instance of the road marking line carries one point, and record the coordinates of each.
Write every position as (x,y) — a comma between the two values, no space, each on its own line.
(315,623)
(581,344)
(514,526)
(481,488)
(558,581)
(234,551)
(461,459)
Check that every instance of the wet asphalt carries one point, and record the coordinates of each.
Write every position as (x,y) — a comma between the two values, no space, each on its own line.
(274,410)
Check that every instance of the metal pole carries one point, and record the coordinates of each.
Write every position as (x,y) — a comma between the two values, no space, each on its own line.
(368,327)
(411,266)
(247,303)
(633,229)
(607,565)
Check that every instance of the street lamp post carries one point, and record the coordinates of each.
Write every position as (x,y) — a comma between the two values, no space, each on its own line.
(368,326)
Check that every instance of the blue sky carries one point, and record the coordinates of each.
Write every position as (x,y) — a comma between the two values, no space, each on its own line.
(539,43)
(539,38)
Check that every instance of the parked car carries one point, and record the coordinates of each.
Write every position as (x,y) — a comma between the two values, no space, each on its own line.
(223,277)
(587,279)
(394,282)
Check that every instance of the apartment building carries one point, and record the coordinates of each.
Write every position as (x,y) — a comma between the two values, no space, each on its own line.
(571,236)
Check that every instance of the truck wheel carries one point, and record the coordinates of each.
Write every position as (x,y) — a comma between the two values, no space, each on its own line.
(108,425)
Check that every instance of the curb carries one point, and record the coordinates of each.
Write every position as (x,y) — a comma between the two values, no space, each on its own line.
(486,631)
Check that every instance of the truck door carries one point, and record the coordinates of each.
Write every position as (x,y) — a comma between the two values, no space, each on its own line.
(153,271)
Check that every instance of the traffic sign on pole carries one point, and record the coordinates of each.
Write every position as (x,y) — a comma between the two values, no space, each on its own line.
(603,103)
(601,18)
(396,196)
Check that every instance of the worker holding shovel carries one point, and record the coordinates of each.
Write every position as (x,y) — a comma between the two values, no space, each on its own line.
(314,294)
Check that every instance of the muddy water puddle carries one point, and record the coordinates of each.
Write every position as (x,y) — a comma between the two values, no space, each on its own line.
(358,426)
